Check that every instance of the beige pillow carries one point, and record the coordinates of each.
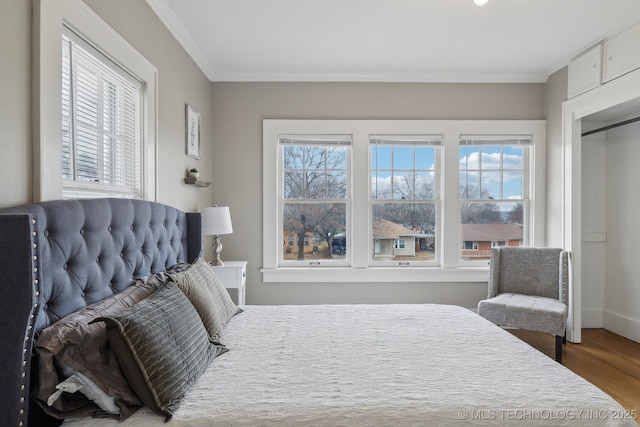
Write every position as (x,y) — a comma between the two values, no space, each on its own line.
(208,295)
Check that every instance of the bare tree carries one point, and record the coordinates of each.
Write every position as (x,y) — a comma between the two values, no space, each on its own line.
(314,173)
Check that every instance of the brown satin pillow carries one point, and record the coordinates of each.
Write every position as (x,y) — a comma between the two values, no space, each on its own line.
(74,343)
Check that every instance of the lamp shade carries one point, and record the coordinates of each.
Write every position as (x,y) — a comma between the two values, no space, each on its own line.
(216,220)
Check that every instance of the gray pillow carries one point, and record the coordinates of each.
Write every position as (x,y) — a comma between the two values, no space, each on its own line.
(208,295)
(73,345)
(162,347)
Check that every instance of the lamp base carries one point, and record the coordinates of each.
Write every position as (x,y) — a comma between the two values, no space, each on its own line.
(217,249)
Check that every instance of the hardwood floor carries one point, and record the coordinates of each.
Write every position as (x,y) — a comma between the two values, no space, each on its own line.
(605,359)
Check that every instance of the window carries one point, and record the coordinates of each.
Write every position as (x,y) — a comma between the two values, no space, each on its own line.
(494,196)
(404,194)
(314,197)
(101,119)
(391,200)
(58,162)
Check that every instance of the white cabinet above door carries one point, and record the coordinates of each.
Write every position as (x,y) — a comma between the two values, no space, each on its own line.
(622,53)
(585,71)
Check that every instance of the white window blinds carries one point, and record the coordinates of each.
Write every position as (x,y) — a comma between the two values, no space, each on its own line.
(101,124)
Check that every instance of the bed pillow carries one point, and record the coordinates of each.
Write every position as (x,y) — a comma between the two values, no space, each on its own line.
(71,345)
(162,347)
(208,295)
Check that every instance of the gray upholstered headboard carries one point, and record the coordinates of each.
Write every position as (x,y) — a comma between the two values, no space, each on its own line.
(59,256)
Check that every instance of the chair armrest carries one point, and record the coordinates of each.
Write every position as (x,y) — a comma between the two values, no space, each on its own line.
(494,273)
(564,265)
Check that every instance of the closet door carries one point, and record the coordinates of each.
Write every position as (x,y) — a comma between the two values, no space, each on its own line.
(621,53)
(584,72)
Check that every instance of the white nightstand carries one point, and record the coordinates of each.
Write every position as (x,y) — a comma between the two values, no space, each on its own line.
(234,276)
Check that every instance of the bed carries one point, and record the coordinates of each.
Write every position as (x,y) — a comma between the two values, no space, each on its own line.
(322,365)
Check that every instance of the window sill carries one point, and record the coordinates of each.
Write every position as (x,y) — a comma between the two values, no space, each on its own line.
(375,274)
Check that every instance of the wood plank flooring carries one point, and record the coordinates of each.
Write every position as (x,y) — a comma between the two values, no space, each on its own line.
(605,359)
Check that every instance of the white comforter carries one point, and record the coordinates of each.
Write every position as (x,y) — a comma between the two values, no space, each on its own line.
(380,365)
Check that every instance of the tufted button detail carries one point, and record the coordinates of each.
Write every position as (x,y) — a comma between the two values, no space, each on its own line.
(46,233)
(82,294)
(109,228)
(82,231)
(98,260)
(132,226)
(33,234)
(65,266)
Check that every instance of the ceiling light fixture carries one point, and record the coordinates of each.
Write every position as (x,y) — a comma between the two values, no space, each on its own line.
(480,2)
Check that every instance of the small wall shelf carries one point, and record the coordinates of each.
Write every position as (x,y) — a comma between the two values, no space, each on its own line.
(193,181)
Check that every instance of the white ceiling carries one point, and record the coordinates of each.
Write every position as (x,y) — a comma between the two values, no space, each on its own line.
(389,40)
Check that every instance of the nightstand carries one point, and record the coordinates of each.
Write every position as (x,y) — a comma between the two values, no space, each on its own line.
(233,275)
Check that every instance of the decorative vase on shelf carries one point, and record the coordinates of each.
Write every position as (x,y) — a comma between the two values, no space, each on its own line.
(194,175)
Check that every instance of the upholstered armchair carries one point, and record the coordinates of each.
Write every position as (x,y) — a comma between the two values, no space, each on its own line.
(528,290)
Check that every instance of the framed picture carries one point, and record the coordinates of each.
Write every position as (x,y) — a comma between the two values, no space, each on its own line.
(192,132)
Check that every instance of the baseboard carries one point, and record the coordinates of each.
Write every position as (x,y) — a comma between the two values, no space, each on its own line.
(621,325)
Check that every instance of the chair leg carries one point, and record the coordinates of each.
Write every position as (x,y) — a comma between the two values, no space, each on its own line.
(559,340)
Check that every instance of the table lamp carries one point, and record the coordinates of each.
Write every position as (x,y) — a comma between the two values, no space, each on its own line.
(216,220)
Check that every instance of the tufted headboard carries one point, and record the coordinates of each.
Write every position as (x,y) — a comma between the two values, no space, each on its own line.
(57,257)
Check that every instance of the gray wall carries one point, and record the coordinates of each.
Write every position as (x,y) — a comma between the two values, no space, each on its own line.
(15,102)
(180,82)
(238,110)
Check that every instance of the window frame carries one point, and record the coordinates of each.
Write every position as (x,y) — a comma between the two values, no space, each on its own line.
(449,268)
(49,19)
(500,140)
(317,140)
(431,141)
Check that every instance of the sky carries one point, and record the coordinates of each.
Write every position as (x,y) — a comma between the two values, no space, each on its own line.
(479,165)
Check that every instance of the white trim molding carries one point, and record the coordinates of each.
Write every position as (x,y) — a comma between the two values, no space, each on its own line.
(48,20)
(614,93)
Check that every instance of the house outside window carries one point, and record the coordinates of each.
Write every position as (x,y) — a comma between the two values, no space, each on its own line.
(403,194)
